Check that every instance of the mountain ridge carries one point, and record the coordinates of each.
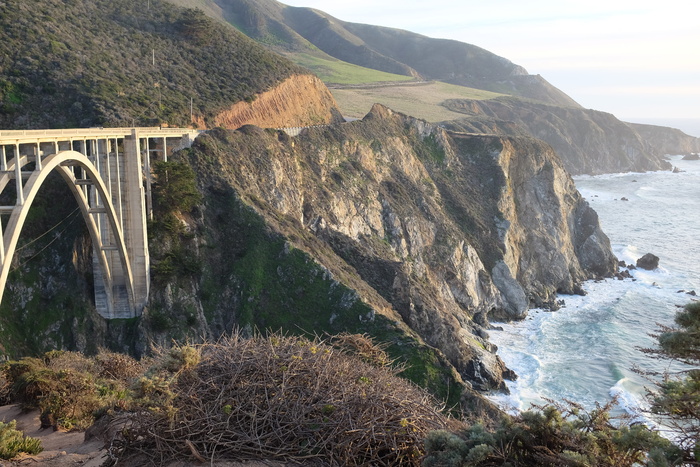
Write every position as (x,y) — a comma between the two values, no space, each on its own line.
(290,30)
(590,142)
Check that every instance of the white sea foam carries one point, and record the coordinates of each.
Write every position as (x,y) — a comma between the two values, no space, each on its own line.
(585,351)
(630,402)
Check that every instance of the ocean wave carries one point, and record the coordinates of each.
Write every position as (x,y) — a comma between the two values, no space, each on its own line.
(585,351)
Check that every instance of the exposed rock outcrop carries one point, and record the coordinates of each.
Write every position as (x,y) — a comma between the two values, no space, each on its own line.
(301,100)
(553,240)
(649,262)
(439,231)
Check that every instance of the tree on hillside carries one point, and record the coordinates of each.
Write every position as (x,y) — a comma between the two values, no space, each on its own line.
(175,188)
(677,401)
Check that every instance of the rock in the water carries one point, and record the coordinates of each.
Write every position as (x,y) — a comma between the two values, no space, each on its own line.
(691,157)
(648,262)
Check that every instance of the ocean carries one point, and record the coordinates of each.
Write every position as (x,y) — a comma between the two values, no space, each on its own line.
(586,351)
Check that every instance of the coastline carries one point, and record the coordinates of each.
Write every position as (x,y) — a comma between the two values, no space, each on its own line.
(585,351)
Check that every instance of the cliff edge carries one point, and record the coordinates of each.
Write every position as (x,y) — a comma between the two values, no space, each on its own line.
(432,231)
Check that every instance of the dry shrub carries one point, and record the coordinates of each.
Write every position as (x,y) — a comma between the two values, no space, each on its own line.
(363,346)
(117,366)
(284,398)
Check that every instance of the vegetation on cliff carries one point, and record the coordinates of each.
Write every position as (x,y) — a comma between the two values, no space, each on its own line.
(84,63)
(677,396)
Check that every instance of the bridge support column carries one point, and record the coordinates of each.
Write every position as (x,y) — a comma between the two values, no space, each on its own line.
(122,174)
(135,218)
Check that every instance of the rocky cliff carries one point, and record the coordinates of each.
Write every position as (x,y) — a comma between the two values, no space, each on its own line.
(300,100)
(388,226)
(429,232)
(588,141)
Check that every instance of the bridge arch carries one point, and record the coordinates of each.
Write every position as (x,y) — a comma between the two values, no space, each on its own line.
(79,172)
(108,171)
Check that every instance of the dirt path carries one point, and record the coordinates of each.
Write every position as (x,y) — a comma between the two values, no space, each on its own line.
(60,448)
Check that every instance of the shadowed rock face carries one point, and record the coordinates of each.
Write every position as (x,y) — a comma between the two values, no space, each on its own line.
(437,230)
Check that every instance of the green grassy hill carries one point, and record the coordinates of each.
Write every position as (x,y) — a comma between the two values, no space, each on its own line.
(303,32)
(76,63)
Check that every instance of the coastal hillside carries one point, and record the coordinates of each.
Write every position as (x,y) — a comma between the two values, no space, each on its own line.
(302,32)
(667,140)
(588,141)
(118,63)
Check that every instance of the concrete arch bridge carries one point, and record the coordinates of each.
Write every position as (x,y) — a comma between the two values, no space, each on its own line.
(108,171)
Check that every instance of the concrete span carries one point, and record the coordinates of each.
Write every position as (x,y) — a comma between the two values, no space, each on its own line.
(108,171)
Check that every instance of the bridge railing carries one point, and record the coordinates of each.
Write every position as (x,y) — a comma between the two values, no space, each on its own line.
(82,133)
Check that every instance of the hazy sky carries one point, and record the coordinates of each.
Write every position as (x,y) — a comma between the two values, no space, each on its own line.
(637,59)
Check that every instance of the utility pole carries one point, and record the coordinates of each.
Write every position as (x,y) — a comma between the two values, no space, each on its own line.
(191,113)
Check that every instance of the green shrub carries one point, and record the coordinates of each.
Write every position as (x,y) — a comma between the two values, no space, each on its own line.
(553,435)
(175,188)
(13,441)
(68,387)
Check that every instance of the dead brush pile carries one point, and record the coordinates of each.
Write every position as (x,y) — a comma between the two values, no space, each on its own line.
(284,398)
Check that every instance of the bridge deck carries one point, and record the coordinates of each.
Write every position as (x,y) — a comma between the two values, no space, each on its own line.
(8,137)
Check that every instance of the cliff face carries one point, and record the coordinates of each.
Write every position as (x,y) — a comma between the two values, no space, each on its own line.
(432,231)
(552,237)
(667,140)
(588,141)
(300,100)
